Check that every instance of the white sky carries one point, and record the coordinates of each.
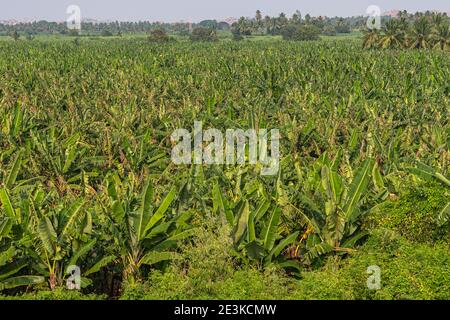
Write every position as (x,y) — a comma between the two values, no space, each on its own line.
(196,10)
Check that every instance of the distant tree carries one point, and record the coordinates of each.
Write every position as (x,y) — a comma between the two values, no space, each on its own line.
(210,24)
(30,36)
(106,33)
(300,33)
(244,26)
(437,19)
(371,38)
(223,25)
(273,26)
(329,30)
(342,26)
(74,33)
(236,33)
(15,35)
(203,34)
(296,17)
(318,22)
(393,36)
(283,21)
(308,18)
(442,37)
(258,16)
(421,33)
(159,36)
(259,24)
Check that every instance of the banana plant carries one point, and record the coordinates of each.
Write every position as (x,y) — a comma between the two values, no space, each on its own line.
(335,211)
(66,163)
(143,233)
(10,269)
(12,261)
(60,237)
(426,172)
(256,231)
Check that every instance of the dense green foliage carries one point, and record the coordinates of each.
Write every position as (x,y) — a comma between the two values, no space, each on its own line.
(409,271)
(414,214)
(300,33)
(415,32)
(87,179)
(158,36)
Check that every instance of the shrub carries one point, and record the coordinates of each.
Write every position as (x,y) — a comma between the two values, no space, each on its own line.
(159,36)
(208,271)
(203,34)
(414,214)
(58,294)
(408,271)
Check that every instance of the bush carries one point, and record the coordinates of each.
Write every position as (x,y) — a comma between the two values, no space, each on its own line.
(329,31)
(208,271)
(58,294)
(408,272)
(203,34)
(414,214)
(159,36)
(300,33)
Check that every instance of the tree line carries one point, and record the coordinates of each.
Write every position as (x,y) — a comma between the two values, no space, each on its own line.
(414,31)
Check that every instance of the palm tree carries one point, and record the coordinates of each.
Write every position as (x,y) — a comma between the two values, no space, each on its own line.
(403,14)
(421,34)
(442,37)
(437,19)
(371,38)
(393,36)
(296,17)
(259,22)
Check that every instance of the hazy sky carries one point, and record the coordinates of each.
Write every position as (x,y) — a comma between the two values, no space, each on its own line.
(195,10)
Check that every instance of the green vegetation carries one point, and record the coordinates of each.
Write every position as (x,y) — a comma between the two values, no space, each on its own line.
(203,34)
(86,176)
(301,33)
(415,32)
(158,36)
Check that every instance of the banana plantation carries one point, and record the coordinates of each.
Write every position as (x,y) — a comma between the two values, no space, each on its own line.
(87,180)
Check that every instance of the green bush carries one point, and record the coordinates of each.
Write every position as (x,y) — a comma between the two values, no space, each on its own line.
(58,294)
(208,271)
(300,33)
(414,214)
(203,34)
(408,272)
(158,36)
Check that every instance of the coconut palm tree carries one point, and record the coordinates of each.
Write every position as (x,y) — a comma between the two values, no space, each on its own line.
(371,38)
(393,36)
(421,34)
(437,19)
(442,37)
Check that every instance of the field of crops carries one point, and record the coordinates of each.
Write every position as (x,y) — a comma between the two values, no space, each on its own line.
(86,177)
